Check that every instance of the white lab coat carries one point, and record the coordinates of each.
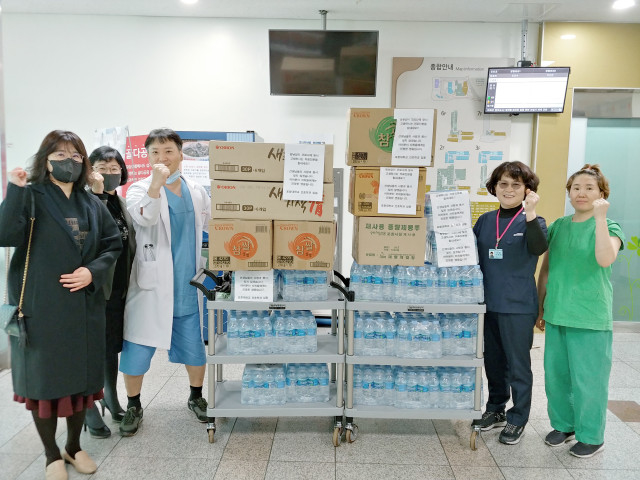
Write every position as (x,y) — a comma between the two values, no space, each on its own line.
(148,313)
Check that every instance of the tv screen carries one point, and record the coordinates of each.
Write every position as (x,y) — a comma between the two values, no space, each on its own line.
(526,89)
(323,62)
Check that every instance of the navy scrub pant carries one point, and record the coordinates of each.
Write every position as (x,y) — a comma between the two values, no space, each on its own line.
(508,338)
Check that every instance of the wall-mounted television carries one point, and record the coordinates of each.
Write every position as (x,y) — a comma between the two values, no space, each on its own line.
(526,89)
(323,62)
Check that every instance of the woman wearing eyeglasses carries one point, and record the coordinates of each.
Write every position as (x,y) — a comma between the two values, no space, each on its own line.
(109,172)
(74,245)
(510,240)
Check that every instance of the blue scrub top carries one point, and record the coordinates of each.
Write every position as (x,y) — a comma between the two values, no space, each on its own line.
(183,250)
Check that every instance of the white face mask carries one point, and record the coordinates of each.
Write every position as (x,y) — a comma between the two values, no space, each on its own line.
(173,177)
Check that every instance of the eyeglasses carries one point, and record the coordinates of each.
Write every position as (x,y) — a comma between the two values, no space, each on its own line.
(114,169)
(62,155)
(514,185)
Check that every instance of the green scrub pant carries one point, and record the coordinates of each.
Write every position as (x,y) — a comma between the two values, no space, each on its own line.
(577,364)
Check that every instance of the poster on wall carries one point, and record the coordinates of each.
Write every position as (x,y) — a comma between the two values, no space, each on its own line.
(468,143)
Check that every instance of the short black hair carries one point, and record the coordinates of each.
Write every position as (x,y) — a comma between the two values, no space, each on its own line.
(163,135)
(517,171)
(106,153)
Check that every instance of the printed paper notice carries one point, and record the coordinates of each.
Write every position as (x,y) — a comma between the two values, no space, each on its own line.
(413,141)
(456,248)
(253,286)
(303,172)
(398,190)
(451,210)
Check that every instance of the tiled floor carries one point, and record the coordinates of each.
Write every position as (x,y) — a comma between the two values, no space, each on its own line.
(171,444)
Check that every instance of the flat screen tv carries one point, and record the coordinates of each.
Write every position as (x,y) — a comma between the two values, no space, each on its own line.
(323,62)
(526,89)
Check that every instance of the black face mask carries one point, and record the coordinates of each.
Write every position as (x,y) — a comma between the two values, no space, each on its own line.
(67,170)
(111,181)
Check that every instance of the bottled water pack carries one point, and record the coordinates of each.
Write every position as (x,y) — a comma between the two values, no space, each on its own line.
(424,285)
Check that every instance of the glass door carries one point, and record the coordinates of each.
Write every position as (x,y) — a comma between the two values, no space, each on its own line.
(605,130)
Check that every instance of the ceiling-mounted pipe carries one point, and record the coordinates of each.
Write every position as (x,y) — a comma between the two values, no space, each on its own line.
(323,14)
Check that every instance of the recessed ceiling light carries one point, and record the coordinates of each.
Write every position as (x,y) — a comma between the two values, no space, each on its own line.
(622,4)
(189,2)
(568,36)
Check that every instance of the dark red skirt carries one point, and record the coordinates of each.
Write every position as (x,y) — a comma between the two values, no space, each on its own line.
(62,407)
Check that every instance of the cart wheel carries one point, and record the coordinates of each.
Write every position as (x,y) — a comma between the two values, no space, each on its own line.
(337,434)
(474,435)
(211,433)
(351,434)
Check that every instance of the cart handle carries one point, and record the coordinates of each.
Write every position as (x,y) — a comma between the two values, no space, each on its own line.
(349,295)
(198,281)
(345,281)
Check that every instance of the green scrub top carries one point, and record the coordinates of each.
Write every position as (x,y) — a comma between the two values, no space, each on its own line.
(579,291)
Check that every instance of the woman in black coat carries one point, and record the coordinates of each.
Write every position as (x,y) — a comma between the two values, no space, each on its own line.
(75,242)
(109,172)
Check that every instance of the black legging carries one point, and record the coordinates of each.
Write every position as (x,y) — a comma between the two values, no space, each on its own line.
(47,430)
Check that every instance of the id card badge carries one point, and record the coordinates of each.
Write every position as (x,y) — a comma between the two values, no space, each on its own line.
(495,254)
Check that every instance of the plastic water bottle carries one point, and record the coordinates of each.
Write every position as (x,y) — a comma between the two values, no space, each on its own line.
(412,283)
(279,333)
(258,386)
(369,335)
(456,384)
(478,284)
(422,389)
(376,286)
(467,388)
(403,342)
(387,283)
(232,333)
(390,335)
(436,338)
(357,385)
(322,286)
(280,396)
(355,280)
(421,294)
(244,333)
(302,378)
(288,285)
(447,339)
(389,386)
(377,386)
(358,333)
(453,282)
(290,383)
(443,285)
(445,390)
(434,388)
(412,389)
(402,284)
(270,386)
(367,380)
(431,284)
(246,393)
(466,341)
(323,377)
(311,338)
(365,291)
(401,389)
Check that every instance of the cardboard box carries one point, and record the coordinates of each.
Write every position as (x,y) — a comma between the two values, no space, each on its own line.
(389,241)
(263,201)
(370,137)
(240,244)
(303,245)
(262,162)
(363,193)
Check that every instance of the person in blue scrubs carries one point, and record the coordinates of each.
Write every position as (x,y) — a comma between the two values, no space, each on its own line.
(162,310)
(510,240)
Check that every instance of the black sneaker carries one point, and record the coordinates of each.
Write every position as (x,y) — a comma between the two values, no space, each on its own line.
(490,420)
(511,434)
(131,421)
(585,450)
(199,407)
(555,438)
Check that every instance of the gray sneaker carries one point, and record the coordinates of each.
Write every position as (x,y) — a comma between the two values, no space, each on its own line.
(555,438)
(490,420)
(131,421)
(585,450)
(511,434)
(199,407)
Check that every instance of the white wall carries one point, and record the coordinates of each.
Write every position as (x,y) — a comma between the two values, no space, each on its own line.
(86,72)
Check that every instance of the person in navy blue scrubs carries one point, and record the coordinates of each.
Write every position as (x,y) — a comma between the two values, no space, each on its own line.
(510,240)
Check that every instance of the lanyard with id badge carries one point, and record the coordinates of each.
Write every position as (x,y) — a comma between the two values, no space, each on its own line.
(496,253)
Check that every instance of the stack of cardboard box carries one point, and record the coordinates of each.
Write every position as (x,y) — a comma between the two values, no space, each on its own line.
(380,238)
(252,226)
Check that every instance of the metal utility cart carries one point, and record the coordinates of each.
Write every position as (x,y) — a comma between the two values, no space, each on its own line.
(224,395)
(366,411)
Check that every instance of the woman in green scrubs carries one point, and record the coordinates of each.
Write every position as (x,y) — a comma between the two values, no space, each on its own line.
(575,294)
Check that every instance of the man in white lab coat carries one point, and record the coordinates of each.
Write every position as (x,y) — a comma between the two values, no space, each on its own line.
(162,310)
